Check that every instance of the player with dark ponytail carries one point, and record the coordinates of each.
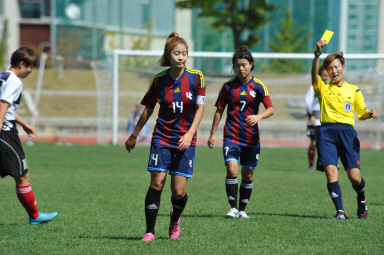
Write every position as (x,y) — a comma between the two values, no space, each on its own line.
(243,95)
(180,92)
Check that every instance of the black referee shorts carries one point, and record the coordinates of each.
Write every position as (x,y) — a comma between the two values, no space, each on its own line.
(12,157)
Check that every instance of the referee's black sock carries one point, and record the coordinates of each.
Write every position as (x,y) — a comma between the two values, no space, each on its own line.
(231,187)
(152,205)
(360,190)
(178,207)
(335,194)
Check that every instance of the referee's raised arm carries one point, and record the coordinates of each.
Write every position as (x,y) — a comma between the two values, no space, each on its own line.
(315,65)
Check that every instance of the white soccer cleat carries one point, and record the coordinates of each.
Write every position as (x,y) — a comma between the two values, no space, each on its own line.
(242,214)
(232,213)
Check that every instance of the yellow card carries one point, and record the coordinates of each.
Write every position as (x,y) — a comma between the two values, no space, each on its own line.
(327,35)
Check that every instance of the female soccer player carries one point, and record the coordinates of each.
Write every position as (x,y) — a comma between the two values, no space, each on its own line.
(243,95)
(180,91)
(12,158)
(313,111)
(337,137)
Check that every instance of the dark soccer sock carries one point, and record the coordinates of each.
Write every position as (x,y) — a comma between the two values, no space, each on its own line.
(245,194)
(152,204)
(27,199)
(178,207)
(360,190)
(231,186)
(335,193)
(311,156)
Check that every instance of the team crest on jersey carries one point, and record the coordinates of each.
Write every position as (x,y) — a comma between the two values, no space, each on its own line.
(347,106)
(252,93)
(188,95)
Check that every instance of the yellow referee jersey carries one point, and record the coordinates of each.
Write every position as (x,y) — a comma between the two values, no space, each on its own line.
(338,104)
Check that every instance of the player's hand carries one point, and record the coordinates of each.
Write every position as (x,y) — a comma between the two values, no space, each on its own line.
(31,131)
(320,44)
(185,141)
(373,113)
(211,141)
(130,143)
(252,119)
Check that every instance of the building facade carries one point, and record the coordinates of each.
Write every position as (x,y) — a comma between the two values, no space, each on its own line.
(88,29)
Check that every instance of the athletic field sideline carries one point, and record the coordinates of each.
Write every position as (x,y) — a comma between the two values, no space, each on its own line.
(99,193)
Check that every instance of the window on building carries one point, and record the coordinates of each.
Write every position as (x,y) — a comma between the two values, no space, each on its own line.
(145,14)
(34,8)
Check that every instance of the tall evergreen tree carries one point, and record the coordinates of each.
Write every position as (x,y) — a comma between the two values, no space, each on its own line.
(242,17)
(290,39)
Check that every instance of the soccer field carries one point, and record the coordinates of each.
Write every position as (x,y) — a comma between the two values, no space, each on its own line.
(99,193)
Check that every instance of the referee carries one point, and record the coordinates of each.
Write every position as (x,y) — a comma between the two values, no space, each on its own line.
(337,137)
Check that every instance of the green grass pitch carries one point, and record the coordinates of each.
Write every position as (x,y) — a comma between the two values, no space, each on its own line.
(99,192)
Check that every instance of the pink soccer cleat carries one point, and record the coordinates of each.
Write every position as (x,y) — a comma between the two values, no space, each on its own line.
(148,237)
(174,228)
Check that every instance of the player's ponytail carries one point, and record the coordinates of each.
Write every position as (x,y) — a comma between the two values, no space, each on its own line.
(172,41)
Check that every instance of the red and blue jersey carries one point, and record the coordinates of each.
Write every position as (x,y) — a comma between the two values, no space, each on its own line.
(177,100)
(242,100)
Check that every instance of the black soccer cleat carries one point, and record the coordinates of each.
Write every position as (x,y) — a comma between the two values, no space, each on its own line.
(362,209)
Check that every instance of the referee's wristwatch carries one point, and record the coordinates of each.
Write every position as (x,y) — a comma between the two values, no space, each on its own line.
(317,54)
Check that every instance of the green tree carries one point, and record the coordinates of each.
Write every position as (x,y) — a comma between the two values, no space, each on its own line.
(3,45)
(243,17)
(290,39)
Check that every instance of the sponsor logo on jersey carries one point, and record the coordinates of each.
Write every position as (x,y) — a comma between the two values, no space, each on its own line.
(177,90)
(243,93)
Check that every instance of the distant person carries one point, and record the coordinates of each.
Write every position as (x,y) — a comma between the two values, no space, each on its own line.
(180,92)
(12,158)
(313,112)
(243,95)
(132,121)
(339,100)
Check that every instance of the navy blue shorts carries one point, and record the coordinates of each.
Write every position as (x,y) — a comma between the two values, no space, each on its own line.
(248,156)
(172,160)
(337,140)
